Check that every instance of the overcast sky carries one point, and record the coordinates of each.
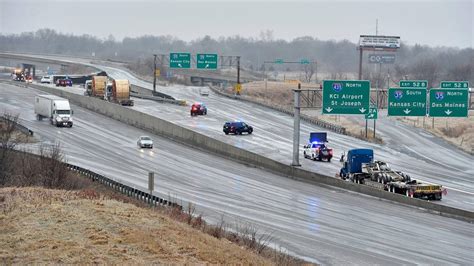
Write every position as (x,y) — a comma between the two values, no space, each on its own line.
(435,23)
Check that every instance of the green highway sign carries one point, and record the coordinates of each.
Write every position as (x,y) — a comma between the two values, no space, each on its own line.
(346,97)
(206,61)
(372,114)
(304,61)
(413,83)
(454,85)
(406,102)
(180,60)
(448,102)
(278,61)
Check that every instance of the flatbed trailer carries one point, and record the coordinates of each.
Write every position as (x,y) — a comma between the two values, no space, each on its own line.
(379,175)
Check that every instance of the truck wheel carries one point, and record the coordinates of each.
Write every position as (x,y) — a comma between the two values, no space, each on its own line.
(329,160)
(304,154)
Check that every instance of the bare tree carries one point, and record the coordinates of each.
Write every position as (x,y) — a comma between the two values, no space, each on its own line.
(426,69)
(462,72)
(53,170)
(309,71)
(8,142)
(401,72)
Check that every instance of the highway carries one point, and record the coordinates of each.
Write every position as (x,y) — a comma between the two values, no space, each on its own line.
(412,150)
(322,224)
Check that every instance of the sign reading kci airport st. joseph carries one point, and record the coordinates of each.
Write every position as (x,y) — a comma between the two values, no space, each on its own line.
(346,97)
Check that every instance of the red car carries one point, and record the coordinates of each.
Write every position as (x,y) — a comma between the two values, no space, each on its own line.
(63,83)
(198,109)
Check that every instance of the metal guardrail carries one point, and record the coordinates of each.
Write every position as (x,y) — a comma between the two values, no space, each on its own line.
(19,126)
(122,188)
(312,120)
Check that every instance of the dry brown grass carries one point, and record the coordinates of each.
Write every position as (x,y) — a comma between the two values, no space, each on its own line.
(457,131)
(53,226)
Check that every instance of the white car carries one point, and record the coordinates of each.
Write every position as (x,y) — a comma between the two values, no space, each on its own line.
(204,91)
(46,79)
(145,142)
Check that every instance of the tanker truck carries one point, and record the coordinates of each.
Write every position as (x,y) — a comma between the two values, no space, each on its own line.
(118,91)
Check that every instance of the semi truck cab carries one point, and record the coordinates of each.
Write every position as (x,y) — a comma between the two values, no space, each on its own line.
(352,166)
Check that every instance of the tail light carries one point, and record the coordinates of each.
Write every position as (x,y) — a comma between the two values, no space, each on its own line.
(330,151)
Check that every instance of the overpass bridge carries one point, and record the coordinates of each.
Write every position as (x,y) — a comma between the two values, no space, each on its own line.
(221,77)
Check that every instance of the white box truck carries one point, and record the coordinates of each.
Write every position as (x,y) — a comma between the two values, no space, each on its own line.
(55,108)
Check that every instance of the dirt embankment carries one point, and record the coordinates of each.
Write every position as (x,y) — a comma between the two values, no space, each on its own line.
(457,131)
(55,226)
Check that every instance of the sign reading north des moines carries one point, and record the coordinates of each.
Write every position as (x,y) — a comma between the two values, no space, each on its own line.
(346,97)
(448,102)
(206,61)
(407,102)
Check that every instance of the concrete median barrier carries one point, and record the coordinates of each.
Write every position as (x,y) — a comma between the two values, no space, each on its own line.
(177,133)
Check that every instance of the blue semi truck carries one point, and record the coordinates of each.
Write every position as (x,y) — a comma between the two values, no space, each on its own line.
(359,167)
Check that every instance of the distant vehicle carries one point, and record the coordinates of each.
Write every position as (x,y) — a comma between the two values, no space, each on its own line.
(237,128)
(316,149)
(145,142)
(46,79)
(88,87)
(198,109)
(18,75)
(55,108)
(204,91)
(63,83)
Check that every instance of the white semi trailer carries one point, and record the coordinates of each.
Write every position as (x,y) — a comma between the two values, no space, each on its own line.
(55,108)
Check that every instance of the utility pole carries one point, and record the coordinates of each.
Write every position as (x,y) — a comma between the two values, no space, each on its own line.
(154,74)
(296,127)
(238,76)
(376,26)
(238,69)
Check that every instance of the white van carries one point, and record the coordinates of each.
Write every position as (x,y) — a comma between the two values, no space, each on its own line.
(46,79)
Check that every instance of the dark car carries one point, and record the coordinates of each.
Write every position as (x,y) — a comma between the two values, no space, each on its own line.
(198,109)
(63,83)
(237,128)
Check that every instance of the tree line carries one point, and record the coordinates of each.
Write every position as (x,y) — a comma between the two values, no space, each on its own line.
(338,58)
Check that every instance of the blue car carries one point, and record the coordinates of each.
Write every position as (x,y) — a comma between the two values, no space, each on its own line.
(237,128)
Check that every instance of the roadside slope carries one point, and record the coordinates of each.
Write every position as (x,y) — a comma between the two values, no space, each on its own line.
(56,226)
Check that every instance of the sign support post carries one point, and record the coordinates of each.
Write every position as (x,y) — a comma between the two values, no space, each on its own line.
(296,127)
